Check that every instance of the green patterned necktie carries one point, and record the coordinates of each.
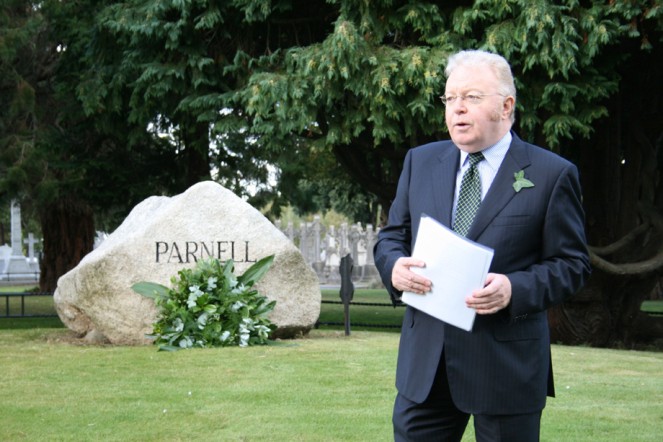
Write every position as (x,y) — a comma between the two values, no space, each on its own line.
(469,196)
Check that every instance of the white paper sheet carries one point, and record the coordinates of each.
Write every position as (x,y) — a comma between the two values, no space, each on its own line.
(456,266)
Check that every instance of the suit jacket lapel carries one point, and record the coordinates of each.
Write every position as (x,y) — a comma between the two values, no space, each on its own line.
(444,175)
(501,191)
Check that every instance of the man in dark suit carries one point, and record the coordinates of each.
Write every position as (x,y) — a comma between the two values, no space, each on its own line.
(530,213)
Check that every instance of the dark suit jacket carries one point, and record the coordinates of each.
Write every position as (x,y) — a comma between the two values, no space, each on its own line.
(503,365)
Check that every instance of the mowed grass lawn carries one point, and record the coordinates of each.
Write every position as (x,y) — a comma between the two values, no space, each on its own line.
(324,387)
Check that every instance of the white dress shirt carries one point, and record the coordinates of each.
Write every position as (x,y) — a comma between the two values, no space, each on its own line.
(493,157)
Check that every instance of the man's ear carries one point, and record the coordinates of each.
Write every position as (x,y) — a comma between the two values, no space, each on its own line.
(508,107)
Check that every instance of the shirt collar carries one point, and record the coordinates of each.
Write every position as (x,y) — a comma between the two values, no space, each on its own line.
(493,154)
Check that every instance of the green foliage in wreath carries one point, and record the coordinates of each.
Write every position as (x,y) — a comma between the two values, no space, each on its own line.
(208,306)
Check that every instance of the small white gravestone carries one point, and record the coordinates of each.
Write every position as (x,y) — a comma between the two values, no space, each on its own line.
(161,236)
(16,267)
(5,253)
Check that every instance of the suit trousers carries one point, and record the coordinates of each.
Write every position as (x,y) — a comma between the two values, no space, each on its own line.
(438,419)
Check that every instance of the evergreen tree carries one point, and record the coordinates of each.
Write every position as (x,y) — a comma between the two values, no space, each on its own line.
(588,78)
(65,165)
(111,101)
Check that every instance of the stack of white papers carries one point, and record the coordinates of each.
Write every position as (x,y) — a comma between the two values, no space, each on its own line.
(455,265)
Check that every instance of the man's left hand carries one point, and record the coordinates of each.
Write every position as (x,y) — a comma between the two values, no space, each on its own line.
(493,297)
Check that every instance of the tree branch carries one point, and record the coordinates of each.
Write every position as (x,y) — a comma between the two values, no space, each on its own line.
(651,265)
(621,243)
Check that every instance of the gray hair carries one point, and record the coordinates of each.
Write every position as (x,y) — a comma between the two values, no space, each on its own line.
(496,63)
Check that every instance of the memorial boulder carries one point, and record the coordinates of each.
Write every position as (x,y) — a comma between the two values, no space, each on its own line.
(163,235)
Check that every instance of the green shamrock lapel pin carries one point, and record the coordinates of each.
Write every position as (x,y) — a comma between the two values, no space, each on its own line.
(521,182)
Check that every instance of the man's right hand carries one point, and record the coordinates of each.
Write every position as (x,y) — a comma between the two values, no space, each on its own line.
(405,280)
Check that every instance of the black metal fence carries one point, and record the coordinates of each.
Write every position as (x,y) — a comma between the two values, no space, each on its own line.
(20,278)
(347,323)
(346,293)
(11,310)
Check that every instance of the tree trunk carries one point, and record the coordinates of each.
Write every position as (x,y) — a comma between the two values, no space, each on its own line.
(68,230)
(606,313)
(621,172)
(197,153)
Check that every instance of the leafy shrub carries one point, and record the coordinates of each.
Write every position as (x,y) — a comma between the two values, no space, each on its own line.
(208,306)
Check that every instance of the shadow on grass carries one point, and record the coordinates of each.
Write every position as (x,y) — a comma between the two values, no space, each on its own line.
(28,322)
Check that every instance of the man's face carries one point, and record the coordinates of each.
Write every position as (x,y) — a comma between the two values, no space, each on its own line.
(474,127)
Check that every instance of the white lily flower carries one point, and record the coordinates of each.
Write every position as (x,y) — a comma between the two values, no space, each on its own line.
(195,289)
(193,296)
(202,320)
(238,290)
(263,331)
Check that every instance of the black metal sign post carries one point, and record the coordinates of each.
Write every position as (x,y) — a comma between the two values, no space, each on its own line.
(347,289)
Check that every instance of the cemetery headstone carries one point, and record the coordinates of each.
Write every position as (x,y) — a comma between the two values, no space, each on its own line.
(16,230)
(5,253)
(323,247)
(17,268)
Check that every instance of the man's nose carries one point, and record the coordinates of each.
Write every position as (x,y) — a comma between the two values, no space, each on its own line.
(459,107)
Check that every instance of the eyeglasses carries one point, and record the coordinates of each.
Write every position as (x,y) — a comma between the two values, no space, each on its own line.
(470,99)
